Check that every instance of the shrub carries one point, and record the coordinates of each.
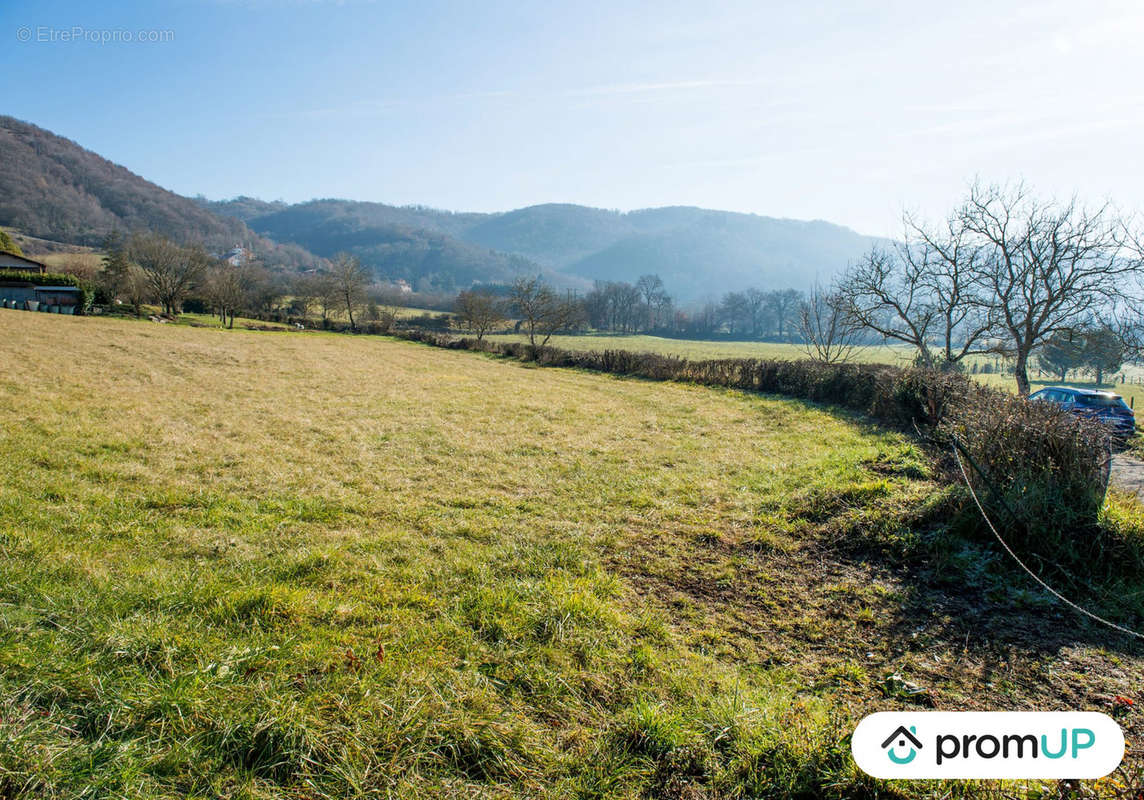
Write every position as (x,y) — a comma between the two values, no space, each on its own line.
(1040,471)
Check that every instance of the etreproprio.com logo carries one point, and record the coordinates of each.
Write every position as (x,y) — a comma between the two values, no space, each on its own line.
(988,744)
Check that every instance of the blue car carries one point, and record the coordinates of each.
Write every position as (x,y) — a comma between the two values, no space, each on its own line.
(1109,408)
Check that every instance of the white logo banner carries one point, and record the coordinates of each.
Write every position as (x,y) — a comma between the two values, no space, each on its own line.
(988,744)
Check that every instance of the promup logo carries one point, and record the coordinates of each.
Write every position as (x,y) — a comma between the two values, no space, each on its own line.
(988,745)
(902,735)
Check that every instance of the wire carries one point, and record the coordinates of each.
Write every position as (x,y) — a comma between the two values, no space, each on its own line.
(1033,575)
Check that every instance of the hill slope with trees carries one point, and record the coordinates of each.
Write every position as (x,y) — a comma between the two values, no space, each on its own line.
(52,188)
(421,246)
(696,251)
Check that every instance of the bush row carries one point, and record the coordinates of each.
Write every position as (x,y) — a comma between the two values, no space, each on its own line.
(1045,470)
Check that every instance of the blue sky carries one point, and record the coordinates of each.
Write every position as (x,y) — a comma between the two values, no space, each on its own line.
(848,112)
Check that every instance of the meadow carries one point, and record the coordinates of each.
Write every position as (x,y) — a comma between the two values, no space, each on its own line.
(701,349)
(250,564)
(898,355)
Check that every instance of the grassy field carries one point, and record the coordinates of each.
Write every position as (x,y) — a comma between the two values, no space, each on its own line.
(212,321)
(245,564)
(878,354)
(88,261)
(697,349)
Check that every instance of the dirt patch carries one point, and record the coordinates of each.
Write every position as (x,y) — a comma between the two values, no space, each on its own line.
(856,626)
(1128,474)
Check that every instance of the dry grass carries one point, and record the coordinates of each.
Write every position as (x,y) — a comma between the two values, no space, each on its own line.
(85,264)
(257,565)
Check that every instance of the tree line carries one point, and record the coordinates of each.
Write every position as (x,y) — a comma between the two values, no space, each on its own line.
(643,307)
(149,268)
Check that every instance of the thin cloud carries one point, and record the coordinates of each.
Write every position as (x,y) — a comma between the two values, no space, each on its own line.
(665,86)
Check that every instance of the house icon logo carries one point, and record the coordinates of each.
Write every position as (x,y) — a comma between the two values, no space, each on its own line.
(900,738)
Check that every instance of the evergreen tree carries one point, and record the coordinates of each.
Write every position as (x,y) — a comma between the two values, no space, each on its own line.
(116,264)
(1062,353)
(1104,352)
(7,245)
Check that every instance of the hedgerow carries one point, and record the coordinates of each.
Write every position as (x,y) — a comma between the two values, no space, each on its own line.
(1043,472)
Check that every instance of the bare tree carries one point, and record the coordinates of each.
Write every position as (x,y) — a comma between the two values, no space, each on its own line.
(79,266)
(651,289)
(1043,267)
(543,312)
(784,304)
(479,312)
(171,270)
(223,289)
(734,309)
(756,307)
(316,289)
(920,292)
(349,281)
(829,334)
(136,287)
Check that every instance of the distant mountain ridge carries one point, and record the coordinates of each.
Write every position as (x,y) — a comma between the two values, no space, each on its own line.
(698,252)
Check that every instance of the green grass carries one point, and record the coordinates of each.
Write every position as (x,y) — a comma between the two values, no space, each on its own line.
(879,354)
(252,565)
(241,323)
(697,349)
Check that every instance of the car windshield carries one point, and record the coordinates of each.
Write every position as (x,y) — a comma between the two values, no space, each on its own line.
(1100,401)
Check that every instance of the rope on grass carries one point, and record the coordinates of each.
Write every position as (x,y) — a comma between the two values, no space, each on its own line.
(957,451)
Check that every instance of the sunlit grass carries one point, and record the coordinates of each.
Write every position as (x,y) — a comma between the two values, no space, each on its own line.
(262,565)
(700,349)
(898,355)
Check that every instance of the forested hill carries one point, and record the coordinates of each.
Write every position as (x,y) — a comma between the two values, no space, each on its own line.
(52,188)
(421,246)
(696,251)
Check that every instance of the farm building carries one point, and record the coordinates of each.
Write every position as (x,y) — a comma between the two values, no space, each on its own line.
(17,291)
(10,262)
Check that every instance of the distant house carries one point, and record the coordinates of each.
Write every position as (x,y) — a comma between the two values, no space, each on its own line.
(10,262)
(237,256)
(403,286)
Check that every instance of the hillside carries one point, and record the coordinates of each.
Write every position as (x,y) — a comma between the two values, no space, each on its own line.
(698,252)
(702,252)
(420,246)
(471,578)
(53,189)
